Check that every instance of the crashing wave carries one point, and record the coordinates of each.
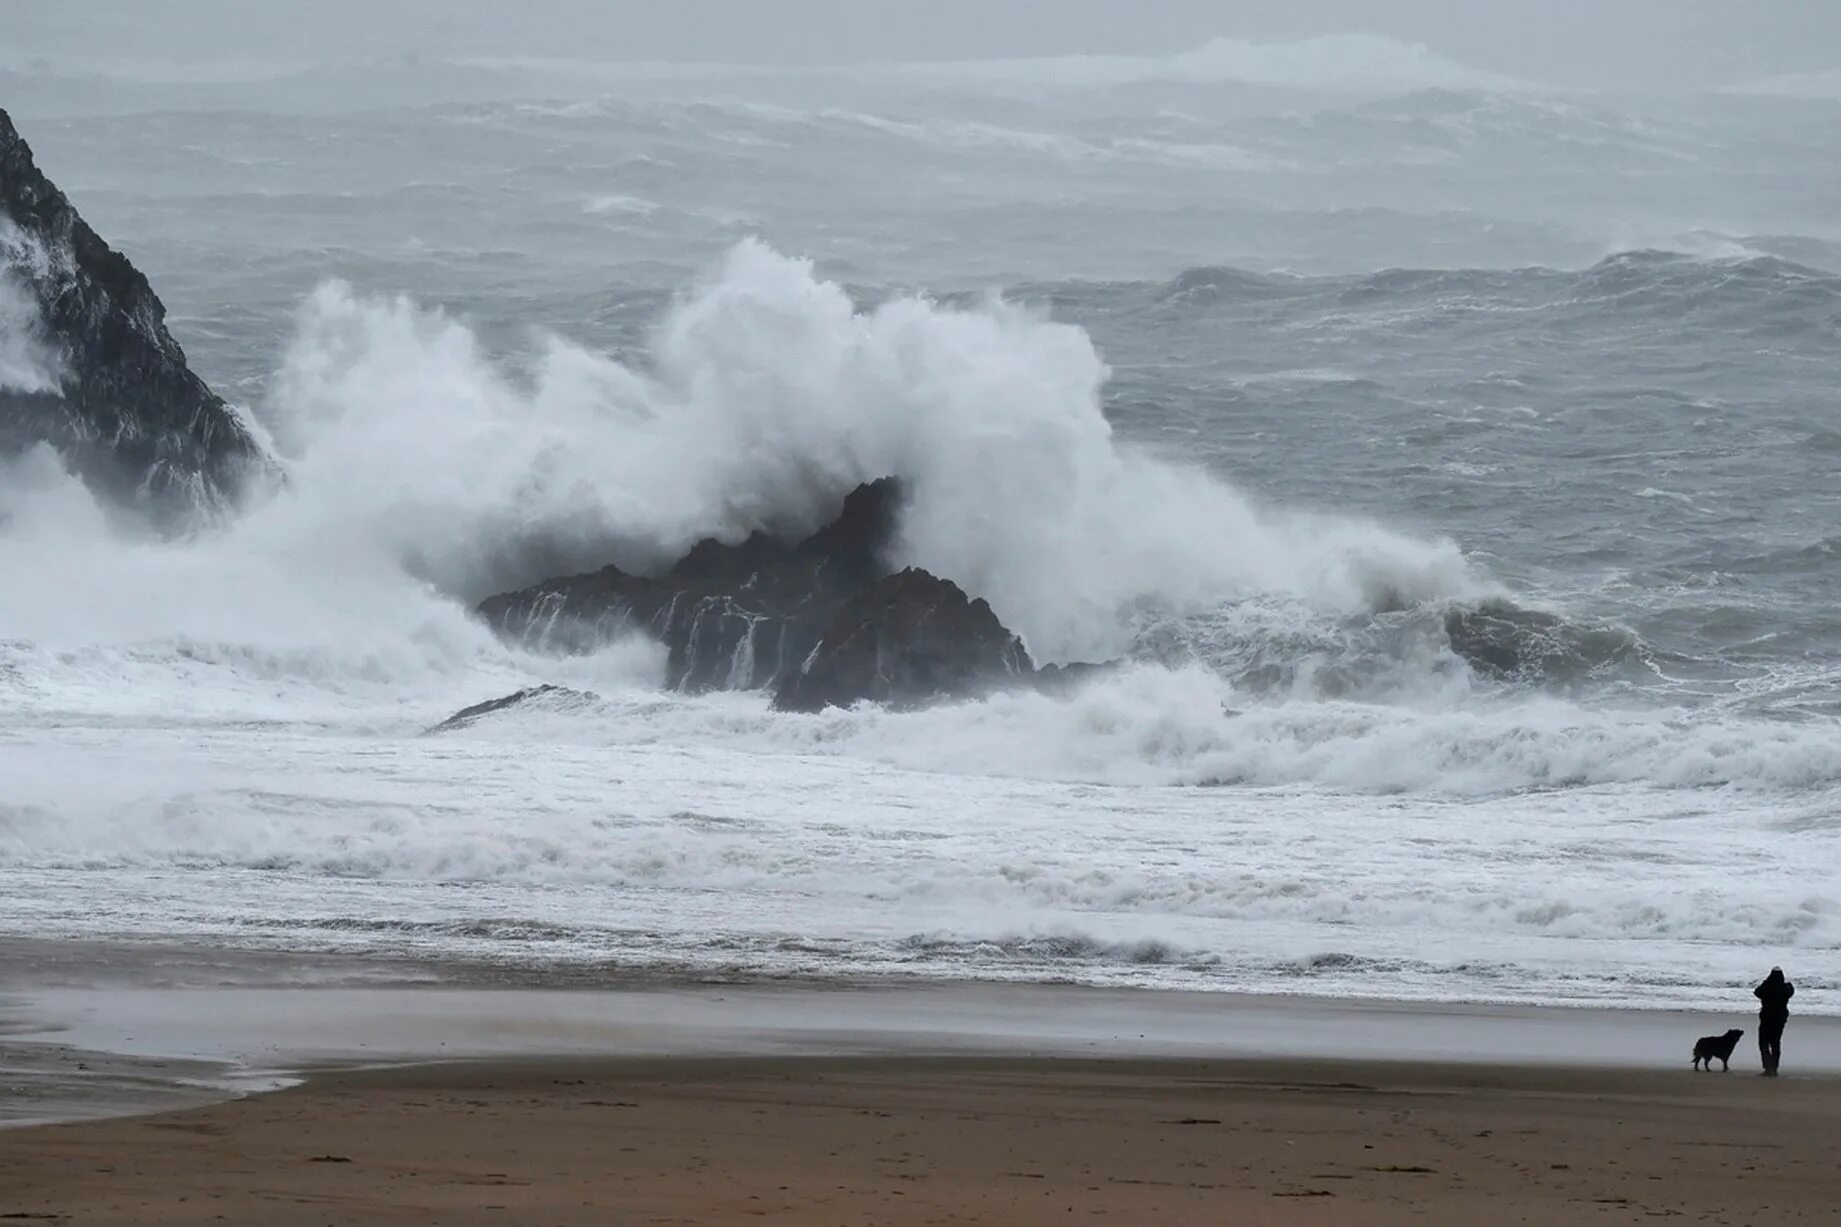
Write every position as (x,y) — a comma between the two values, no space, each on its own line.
(1338,63)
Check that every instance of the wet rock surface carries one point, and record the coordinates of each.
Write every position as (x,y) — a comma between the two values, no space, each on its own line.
(819,622)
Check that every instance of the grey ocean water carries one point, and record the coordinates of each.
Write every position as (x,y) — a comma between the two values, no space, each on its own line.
(1270,388)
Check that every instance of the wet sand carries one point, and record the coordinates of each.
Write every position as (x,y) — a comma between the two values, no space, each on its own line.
(468,1101)
(946,1139)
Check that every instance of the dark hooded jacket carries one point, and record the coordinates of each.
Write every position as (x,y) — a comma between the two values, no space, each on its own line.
(1774,995)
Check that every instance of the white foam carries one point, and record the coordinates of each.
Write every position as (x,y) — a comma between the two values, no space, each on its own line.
(1823,85)
(28,360)
(633,206)
(519,844)
(1437,734)
(420,473)
(1350,63)
(251,714)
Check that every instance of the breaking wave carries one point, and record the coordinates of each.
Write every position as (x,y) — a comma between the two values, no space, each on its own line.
(28,362)
(418,466)
(1733,287)
(1261,646)
(1339,63)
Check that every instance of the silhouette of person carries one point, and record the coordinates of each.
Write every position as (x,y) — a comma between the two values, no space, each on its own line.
(1773,1012)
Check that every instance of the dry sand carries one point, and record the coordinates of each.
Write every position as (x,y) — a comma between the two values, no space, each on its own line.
(947,1139)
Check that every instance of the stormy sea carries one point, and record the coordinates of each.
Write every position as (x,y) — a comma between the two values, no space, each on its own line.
(1440,467)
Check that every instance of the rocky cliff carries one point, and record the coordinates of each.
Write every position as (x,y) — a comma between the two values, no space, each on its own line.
(87,365)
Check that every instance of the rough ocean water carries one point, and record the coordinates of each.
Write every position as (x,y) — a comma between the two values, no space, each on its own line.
(1247,366)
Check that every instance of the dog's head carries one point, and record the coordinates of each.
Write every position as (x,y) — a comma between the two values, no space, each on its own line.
(1735,1033)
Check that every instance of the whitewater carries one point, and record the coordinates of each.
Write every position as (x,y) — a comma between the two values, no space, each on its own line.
(1252,392)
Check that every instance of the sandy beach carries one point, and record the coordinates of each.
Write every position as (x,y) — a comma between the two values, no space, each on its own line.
(141,1084)
(952,1140)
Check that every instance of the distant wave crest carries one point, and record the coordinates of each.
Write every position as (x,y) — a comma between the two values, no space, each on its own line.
(1346,63)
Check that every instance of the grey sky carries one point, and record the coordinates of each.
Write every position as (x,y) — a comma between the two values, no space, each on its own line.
(1645,44)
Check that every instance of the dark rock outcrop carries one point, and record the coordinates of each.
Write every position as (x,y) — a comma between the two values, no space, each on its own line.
(819,622)
(553,698)
(1504,642)
(109,387)
(907,638)
(732,617)
(1062,679)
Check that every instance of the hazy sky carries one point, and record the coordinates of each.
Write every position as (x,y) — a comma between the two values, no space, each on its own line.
(1601,43)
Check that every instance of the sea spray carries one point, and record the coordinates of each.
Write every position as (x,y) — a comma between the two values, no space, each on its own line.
(420,475)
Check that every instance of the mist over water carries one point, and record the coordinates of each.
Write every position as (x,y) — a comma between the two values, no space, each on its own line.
(1252,391)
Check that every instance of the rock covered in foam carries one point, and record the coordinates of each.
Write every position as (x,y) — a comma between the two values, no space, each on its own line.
(908,638)
(93,370)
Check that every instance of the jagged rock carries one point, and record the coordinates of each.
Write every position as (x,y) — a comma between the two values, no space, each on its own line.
(93,370)
(546,696)
(732,617)
(819,622)
(1061,679)
(907,638)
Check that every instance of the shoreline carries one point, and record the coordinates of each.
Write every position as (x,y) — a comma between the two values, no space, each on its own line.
(902,1139)
(85,1033)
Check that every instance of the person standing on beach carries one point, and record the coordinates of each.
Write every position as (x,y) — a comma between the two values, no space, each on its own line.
(1773,1012)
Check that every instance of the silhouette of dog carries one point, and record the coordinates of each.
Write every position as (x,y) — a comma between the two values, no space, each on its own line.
(1708,1048)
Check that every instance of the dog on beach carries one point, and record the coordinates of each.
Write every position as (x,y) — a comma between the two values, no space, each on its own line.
(1708,1048)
